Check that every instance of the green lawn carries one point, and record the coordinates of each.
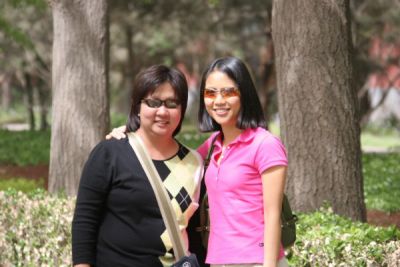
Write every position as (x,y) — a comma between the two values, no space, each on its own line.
(390,141)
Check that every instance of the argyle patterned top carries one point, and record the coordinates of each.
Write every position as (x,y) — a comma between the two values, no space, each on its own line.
(117,221)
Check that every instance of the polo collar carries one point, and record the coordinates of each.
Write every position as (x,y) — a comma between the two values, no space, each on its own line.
(246,136)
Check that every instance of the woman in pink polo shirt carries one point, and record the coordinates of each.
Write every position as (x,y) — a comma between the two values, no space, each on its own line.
(246,176)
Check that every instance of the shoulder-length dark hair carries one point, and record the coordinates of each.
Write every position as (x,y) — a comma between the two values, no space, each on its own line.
(146,82)
(251,114)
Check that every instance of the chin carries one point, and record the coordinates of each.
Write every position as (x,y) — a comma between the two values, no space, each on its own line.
(163,132)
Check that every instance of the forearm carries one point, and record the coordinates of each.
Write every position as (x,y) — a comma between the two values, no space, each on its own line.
(273,184)
(272,233)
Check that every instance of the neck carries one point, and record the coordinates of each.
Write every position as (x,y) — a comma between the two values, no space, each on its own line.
(159,148)
(230,134)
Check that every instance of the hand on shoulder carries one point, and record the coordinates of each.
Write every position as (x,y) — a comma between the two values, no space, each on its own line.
(117,133)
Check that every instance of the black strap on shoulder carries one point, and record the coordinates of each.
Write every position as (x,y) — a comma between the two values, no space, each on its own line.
(208,158)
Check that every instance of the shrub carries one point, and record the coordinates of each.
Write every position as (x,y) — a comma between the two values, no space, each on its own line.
(35,230)
(326,239)
(24,148)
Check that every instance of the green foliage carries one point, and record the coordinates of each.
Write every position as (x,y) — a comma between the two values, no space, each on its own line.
(35,230)
(326,239)
(15,34)
(382,181)
(24,148)
(40,4)
(11,30)
(191,138)
(118,119)
(21,184)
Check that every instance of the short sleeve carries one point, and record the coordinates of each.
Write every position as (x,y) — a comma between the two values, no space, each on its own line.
(270,153)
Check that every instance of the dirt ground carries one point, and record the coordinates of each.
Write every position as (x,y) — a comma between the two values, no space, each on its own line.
(41,171)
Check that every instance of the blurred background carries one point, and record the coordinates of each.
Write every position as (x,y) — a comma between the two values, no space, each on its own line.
(188,35)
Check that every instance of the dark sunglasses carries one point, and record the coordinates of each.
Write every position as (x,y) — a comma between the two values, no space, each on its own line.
(156,103)
(225,92)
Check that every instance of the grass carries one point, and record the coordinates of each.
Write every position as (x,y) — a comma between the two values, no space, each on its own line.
(382,181)
(13,115)
(389,141)
(21,184)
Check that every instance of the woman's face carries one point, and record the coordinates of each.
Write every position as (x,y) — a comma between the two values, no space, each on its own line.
(222,99)
(160,118)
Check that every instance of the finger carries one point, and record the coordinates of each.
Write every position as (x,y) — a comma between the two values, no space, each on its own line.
(122,128)
(117,134)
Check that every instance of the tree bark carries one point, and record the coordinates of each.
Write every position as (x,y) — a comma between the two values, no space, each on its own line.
(318,105)
(80,106)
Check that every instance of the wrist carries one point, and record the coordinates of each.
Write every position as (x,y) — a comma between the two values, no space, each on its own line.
(270,263)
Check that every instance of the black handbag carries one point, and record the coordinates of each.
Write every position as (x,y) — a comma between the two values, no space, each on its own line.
(288,224)
(288,219)
(164,203)
(187,261)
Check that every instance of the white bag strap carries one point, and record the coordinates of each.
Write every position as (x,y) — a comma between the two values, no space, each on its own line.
(160,191)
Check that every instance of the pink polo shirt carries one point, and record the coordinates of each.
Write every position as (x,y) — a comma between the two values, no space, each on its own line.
(235,195)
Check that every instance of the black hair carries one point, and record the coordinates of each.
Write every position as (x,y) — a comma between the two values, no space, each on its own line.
(251,113)
(146,82)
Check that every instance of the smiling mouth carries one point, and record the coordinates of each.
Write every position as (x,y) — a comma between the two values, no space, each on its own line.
(221,111)
(162,122)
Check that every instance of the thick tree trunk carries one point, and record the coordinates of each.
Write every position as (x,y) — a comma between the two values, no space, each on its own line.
(80,106)
(318,105)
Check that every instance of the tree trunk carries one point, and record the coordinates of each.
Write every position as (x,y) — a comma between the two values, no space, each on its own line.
(5,82)
(268,78)
(43,96)
(80,106)
(29,100)
(318,105)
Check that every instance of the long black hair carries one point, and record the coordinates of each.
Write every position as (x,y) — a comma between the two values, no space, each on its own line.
(251,113)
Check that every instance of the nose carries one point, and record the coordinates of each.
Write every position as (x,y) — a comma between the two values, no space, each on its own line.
(162,110)
(219,99)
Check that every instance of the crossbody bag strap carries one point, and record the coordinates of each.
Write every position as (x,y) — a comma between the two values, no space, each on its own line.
(203,194)
(209,153)
(160,191)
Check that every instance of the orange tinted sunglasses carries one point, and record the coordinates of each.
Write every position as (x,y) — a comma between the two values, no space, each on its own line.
(225,92)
